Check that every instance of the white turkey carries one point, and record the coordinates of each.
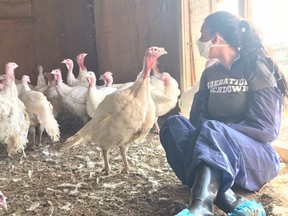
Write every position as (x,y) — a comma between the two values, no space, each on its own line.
(186,100)
(40,112)
(95,96)
(80,58)
(72,98)
(41,81)
(108,81)
(71,80)
(14,118)
(165,93)
(123,116)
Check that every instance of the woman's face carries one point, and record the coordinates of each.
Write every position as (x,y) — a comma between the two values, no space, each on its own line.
(205,34)
(218,43)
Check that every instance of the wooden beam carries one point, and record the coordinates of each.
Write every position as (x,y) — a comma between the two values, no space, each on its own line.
(245,9)
(187,76)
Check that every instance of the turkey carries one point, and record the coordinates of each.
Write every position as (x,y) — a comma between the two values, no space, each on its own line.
(2,80)
(52,95)
(165,93)
(3,203)
(82,68)
(19,86)
(73,98)
(95,96)
(14,118)
(122,117)
(40,112)
(41,81)
(186,99)
(71,80)
(108,81)
(155,68)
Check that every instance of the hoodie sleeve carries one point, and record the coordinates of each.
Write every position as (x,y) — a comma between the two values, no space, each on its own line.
(263,118)
(199,112)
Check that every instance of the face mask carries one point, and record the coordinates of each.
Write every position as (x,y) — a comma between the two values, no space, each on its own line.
(204,47)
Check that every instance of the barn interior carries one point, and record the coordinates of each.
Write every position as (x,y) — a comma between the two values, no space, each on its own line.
(115,34)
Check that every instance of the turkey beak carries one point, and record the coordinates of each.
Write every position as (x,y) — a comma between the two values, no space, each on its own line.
(84,54)
(101,77)
(64,61)
(163,51)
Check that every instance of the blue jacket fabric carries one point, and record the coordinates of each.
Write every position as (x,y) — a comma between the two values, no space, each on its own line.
(242,149)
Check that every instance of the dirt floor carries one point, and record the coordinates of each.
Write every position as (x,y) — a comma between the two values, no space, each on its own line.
(49,182)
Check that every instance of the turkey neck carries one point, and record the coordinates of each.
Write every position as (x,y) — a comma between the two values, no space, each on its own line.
(10,74)
(144,87)
(109,82)
(59,79)
(26,87)
(148,64)
(81,64)
(11,87)
(92,83)
(70,67)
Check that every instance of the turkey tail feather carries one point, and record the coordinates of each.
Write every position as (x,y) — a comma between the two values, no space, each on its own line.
(48,122)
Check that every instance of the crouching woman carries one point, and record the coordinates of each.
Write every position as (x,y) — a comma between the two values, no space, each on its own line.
(234,118)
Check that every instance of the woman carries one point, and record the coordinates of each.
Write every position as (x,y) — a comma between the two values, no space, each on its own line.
(235,116)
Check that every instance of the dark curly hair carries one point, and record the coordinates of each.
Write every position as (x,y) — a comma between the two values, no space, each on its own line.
(243,36)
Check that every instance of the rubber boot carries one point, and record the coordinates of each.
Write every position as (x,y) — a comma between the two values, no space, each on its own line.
(236,205)
(204,191)
(228,201)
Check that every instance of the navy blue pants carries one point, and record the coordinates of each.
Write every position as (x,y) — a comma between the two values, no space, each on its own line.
(245,162)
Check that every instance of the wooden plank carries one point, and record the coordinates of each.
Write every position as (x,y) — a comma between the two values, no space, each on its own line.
(15,1)
(245,8)
(14,9)
(21,21)
(46,36)
(17,46)
(123,38)
(185,54)
(64,33)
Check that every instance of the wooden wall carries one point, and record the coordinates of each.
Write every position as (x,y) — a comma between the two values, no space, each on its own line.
(114,33)
(63,29)
(16,34)
(126,29)
(34,32)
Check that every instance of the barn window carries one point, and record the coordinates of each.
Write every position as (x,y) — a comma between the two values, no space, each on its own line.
(270,16)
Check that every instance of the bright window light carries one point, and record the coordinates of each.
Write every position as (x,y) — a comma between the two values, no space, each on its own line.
(228,5)
(269,16)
